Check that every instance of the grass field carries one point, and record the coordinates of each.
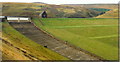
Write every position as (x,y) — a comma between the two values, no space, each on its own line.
(98,36)
(18,46)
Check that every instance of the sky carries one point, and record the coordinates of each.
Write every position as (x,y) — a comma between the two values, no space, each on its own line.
(57,2)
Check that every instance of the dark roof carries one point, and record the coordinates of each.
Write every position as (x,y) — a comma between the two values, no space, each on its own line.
(42,12)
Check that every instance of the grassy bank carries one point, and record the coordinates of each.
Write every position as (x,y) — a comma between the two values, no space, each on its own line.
(96,35)
(21,44)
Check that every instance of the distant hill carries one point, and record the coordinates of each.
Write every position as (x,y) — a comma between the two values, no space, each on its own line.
(106,6)
(110,14)
(109,10)
(40,2)
(56,11)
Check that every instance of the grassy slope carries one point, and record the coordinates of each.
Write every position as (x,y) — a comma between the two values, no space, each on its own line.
(11,53)
(110,14)
(99,36)
(23,43)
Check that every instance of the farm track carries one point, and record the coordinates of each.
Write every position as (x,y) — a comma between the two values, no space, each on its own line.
(30,31)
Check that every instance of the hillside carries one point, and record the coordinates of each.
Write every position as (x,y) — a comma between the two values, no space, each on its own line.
(57,11)
(109,14)
(109,10)
(107,6)
(91,34)
(18,47)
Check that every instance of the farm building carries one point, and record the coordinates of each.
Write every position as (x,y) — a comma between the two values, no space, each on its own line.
(43,14)
(18,18)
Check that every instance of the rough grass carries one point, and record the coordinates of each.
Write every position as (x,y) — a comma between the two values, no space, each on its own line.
(34,9)
(98,36)
(32,48)
(11,53)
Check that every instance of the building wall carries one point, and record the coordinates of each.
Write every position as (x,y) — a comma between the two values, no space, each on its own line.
(18,18)
(2,17)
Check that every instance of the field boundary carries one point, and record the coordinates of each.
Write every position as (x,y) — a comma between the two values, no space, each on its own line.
(41,22)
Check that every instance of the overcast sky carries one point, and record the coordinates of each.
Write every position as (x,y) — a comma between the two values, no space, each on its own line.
(66,1)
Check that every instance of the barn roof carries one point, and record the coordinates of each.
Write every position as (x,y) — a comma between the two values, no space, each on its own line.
(42,13)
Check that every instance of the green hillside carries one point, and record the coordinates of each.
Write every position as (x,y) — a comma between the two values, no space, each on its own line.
(92,27)
(98,36)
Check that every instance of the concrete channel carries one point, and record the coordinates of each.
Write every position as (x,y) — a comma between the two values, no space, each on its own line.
(30,31)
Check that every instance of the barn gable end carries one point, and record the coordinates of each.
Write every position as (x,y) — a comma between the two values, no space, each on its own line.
(43,14)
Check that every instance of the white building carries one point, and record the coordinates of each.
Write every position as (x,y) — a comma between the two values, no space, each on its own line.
(1,17)
(18,19)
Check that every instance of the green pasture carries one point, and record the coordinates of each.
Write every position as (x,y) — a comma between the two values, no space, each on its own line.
(96,35)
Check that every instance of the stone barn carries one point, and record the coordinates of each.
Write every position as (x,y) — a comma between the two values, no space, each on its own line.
(43,14)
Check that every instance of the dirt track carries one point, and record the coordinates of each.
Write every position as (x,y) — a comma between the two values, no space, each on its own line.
(29,30)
